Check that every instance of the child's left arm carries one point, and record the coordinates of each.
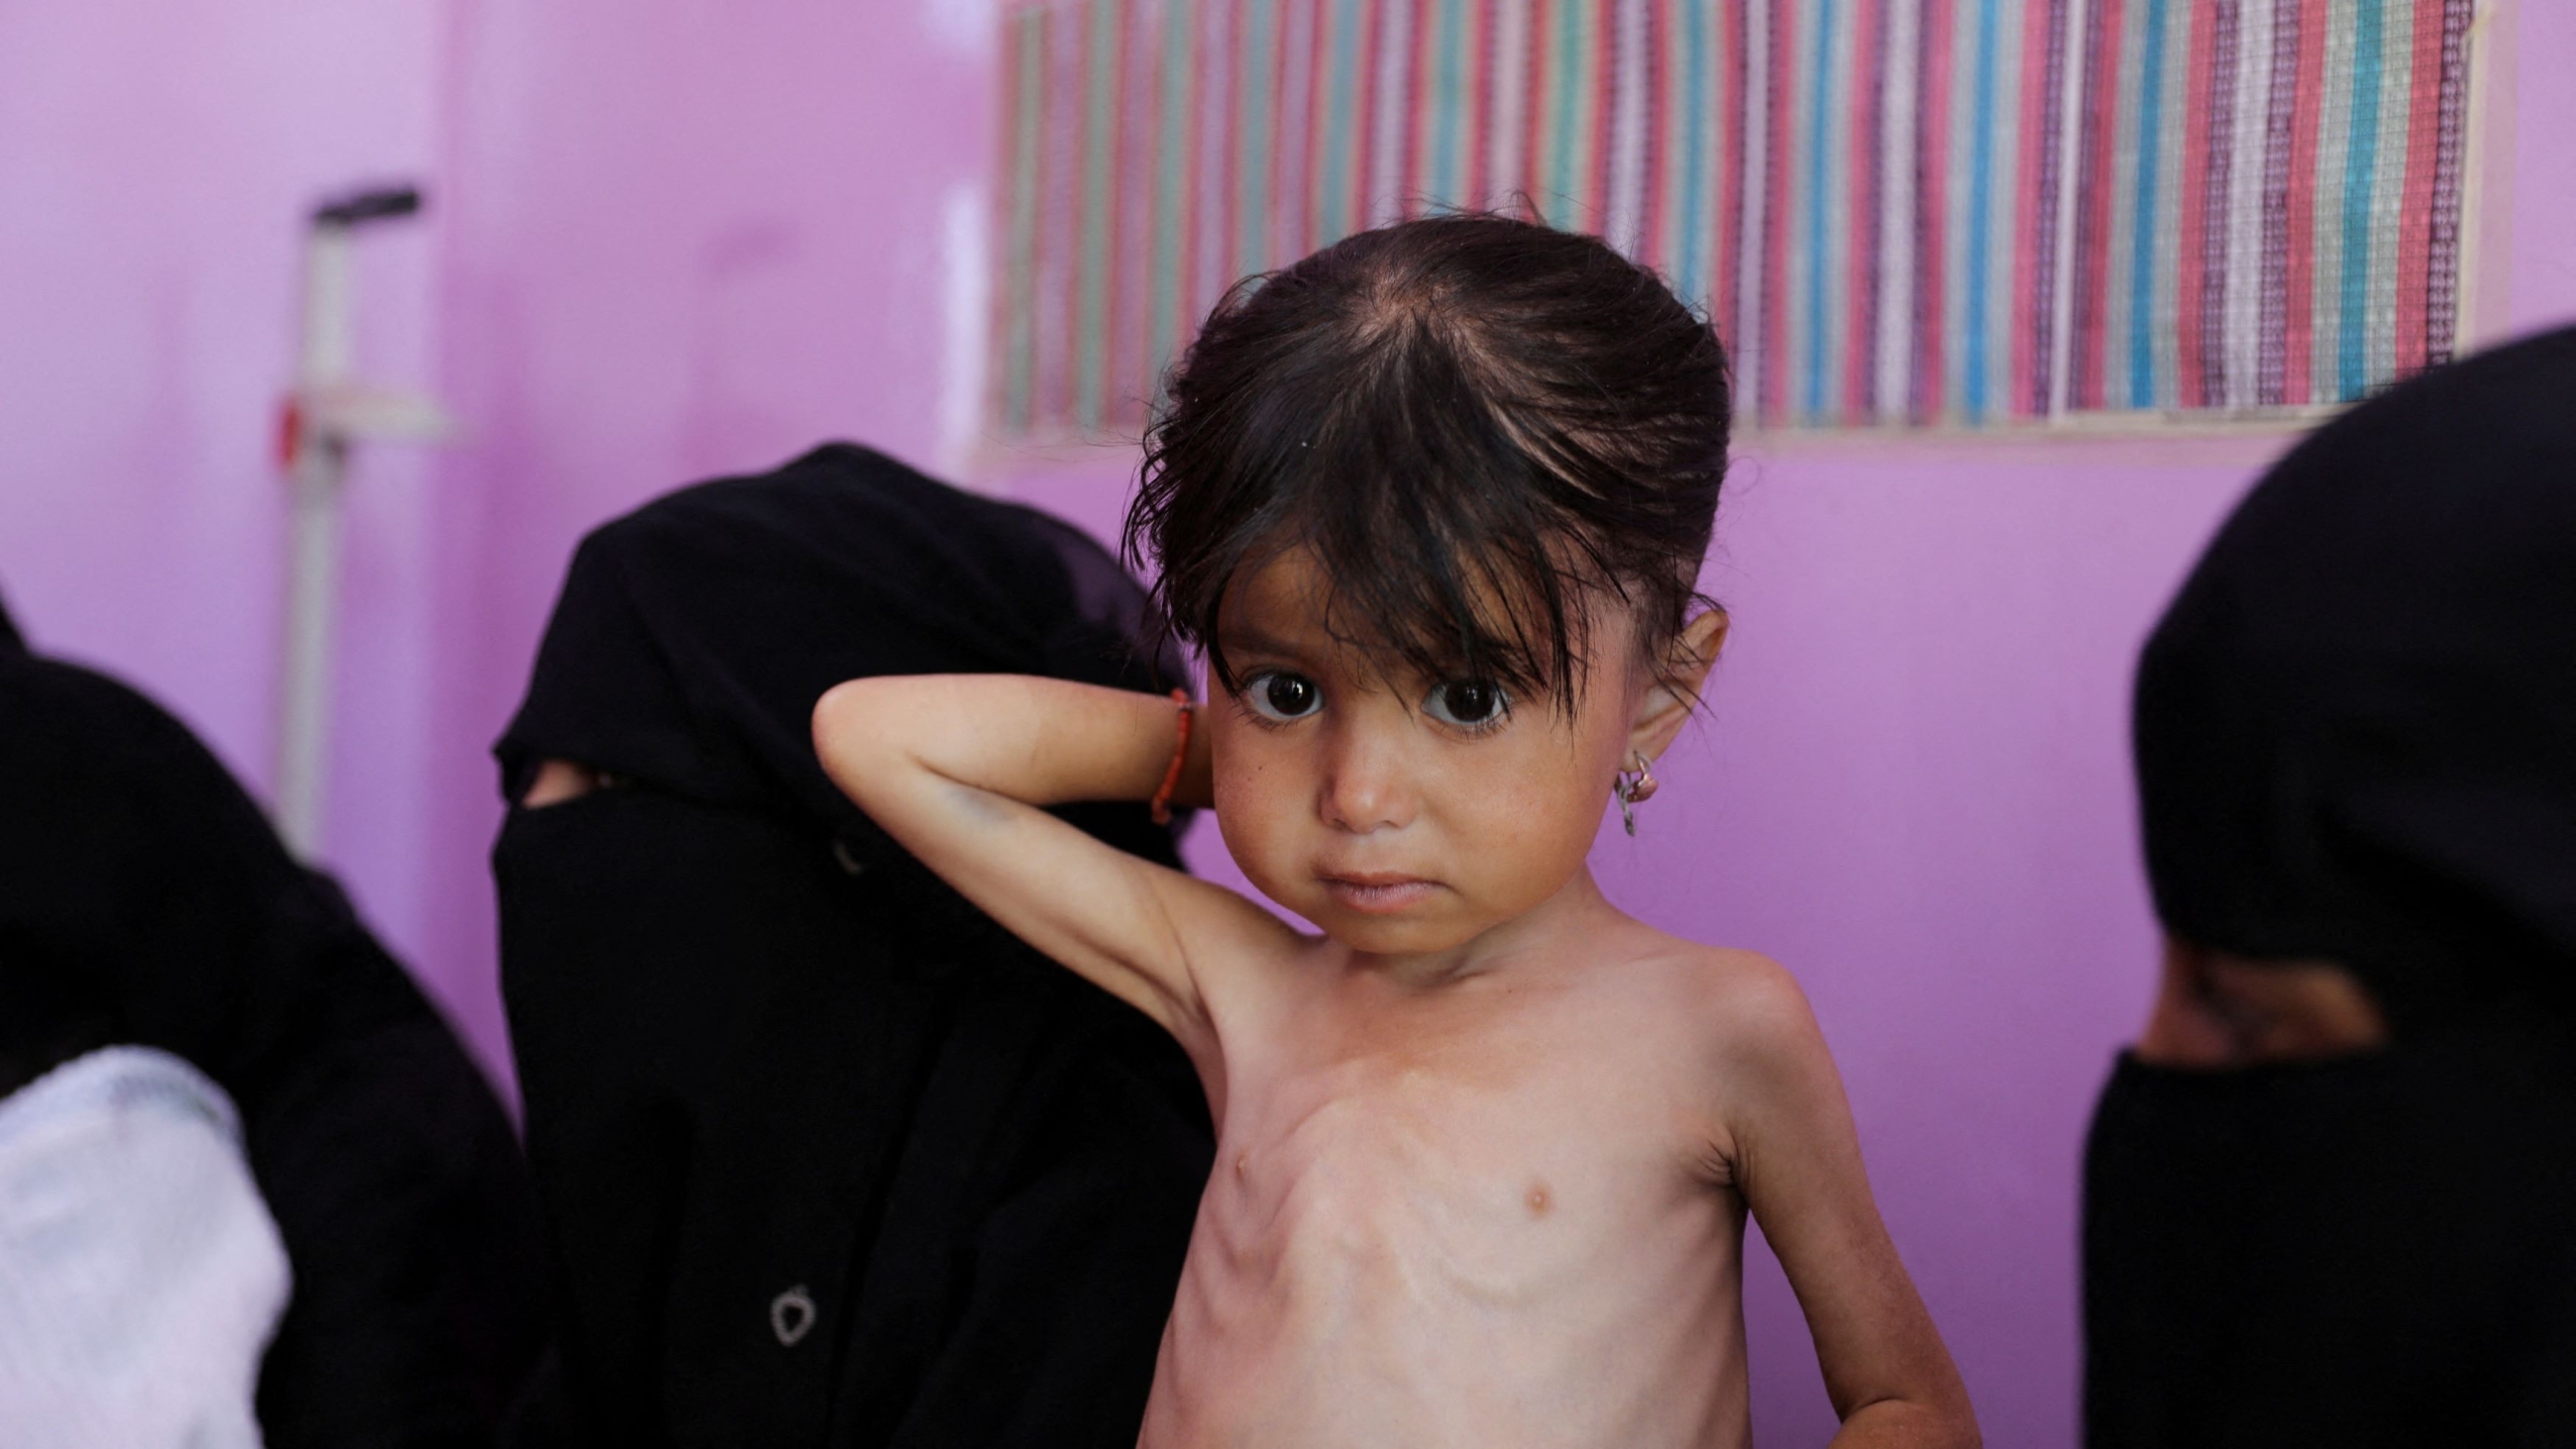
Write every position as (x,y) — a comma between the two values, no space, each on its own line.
(1797,1162)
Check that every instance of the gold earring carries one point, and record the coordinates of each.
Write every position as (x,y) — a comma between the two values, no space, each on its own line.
(1633,788)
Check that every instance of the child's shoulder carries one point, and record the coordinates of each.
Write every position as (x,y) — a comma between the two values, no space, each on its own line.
(1735,1041)
(1739,1004)
(1715,978)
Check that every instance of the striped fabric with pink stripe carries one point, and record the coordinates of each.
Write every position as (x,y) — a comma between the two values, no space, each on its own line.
(1898,212)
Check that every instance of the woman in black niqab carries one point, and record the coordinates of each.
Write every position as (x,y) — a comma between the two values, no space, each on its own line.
(827,1157)
(2356,742)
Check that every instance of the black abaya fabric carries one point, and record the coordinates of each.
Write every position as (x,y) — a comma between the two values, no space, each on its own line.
(2354,724)
(143,899)
(2356,736)
(2365,1252)
(828,1158)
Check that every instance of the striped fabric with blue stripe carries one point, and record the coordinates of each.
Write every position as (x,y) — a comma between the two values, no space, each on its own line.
(2361,161)
(1444,178)
(2142,272)
(1564,70)
(1981,190)
(1688,265)
(1155,149)
(1820,93)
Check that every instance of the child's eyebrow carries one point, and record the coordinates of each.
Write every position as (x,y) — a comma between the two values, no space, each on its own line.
(1244,639)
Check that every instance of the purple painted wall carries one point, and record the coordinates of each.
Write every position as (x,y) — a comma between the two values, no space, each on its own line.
(156,165)
(681,238)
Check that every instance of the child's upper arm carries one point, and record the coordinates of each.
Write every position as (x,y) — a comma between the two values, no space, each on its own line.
(1797,1162)
(1156,938)
(1159,939)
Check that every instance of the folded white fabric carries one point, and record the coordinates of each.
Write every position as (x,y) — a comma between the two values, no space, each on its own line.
(140,1272)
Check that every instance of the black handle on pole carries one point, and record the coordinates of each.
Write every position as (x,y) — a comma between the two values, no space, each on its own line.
(364,206)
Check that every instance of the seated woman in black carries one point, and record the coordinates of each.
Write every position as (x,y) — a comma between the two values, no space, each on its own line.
(144,902)
(2331,1196)
(796,1195)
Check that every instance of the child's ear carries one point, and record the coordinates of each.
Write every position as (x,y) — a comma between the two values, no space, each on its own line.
(1676,690)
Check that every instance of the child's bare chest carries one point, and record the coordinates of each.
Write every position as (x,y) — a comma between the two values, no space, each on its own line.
(1489,1215)
(1488,1180)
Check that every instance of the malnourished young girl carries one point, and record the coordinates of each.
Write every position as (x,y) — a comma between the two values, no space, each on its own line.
(1433,502)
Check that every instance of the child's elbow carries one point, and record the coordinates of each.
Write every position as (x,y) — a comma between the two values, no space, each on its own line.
(844,728)
(1937,1417)
(1954,1422)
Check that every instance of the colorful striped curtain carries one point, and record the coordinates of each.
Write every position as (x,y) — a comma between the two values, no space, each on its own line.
(1898,212)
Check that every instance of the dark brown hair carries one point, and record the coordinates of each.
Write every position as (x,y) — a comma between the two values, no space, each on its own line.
(1470,420)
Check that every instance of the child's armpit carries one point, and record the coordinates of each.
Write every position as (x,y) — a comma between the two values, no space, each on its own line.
(1770,1077)
(1713,1164)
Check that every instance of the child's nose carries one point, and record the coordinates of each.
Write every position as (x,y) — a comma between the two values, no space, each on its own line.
(1365,786)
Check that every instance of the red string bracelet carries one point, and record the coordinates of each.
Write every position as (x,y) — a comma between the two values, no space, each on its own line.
(1180,756)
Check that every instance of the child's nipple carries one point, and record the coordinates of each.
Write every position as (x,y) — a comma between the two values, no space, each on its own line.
(1539,1201)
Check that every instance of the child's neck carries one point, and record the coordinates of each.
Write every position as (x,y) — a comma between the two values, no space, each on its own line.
(1548,931)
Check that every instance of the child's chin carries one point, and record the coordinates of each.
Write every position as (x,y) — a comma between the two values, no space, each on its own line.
(1394,935)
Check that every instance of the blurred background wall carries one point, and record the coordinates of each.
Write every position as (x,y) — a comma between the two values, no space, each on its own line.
(674,238)
(157,161)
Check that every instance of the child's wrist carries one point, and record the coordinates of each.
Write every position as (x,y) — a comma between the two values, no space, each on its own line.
(1166,794)
(1198,785)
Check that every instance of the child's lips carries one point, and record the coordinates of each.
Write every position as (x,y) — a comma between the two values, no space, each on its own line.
(1378,892)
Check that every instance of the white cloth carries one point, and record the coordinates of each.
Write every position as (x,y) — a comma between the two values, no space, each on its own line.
(140,1272)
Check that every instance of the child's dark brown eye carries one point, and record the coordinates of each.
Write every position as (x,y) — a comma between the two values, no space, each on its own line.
(1279,695)
(1467,702)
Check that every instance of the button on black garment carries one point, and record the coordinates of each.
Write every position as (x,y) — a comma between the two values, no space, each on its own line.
(827,1157)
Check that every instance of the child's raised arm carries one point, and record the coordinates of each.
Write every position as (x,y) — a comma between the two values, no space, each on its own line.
(1797,1162)
(955,768)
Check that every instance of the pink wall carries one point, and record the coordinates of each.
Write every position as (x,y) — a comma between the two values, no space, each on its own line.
(156,165)
(686,237)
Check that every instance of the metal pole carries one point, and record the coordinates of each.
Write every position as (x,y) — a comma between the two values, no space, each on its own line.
(319,465)
(325,415)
